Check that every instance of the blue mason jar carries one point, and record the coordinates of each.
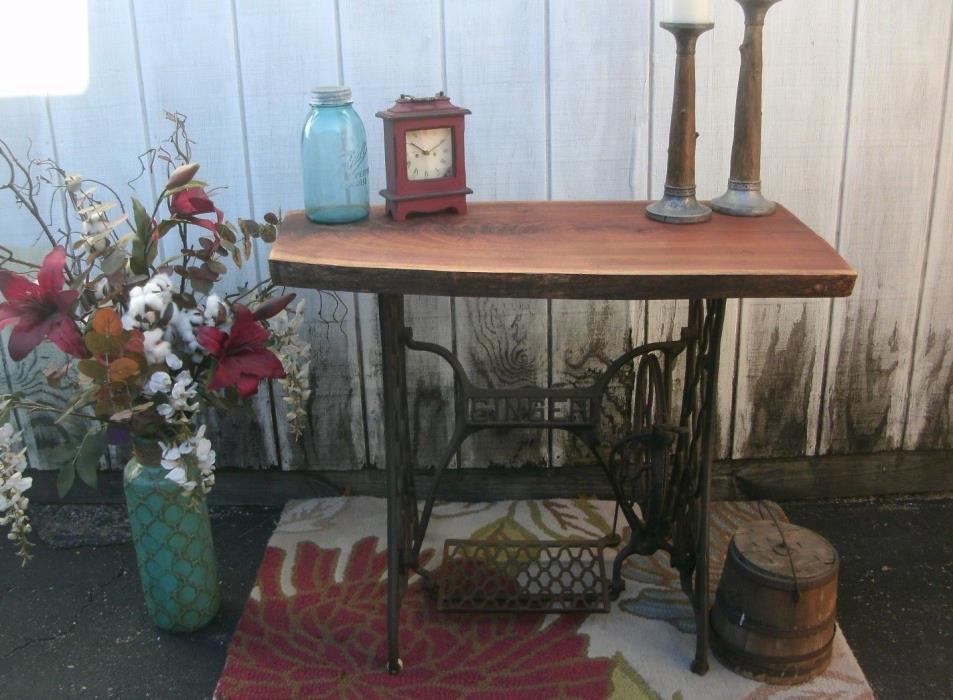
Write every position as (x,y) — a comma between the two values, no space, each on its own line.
(334,159)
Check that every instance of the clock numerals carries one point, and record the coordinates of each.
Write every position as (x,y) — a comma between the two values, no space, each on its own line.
(429,154)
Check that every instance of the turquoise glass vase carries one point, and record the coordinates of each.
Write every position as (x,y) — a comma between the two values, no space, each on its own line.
(172,536)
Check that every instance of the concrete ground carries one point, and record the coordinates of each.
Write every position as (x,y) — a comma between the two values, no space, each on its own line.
(72,624)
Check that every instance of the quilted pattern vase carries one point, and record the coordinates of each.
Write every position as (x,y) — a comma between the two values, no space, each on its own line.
(173,541)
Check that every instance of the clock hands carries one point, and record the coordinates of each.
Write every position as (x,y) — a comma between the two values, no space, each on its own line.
(427,152)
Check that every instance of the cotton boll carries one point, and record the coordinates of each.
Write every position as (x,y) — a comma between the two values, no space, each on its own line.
(156,349)
(216,310)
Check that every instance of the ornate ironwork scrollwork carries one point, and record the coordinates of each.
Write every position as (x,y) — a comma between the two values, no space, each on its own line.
(660,468)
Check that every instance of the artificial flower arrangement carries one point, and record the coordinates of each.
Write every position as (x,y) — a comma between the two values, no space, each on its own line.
(131,301)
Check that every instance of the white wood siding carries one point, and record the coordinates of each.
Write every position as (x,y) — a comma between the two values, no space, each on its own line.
(570,100)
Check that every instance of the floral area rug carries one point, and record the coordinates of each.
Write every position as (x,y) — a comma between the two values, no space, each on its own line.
(314,624)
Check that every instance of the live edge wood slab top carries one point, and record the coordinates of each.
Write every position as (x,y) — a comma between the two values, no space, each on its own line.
(561,250)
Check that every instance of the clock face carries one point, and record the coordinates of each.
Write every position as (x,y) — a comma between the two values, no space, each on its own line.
(429,153)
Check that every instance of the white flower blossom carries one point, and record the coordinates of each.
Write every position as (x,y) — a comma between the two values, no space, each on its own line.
(13,502)
(190,464)
(294,354)
(183,392)
(159,383)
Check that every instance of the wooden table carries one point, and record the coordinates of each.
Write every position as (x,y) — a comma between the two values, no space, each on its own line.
(569,250)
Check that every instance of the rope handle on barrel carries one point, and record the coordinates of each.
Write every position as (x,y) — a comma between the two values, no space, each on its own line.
(787,550)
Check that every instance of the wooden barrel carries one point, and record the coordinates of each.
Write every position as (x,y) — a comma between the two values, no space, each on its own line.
(775,609)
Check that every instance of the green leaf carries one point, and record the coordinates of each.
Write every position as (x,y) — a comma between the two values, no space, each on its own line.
(249,227)
(269,233)
(140,246)
(100,344)
(114,261)
(202,286)
(80,398)
(226,233)
(92,369)
(89,455)
(65,479)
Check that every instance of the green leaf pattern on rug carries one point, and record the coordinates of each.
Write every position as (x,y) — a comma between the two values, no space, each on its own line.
(664,604)
(627,684)
(505,528)
(565,515)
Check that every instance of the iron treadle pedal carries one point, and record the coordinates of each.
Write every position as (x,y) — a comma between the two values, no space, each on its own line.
(523,576)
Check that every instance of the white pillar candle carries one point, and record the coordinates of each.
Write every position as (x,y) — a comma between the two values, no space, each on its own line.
(687,11)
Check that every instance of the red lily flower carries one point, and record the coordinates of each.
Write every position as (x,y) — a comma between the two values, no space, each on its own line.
(243,359)
(40,309)
(188,204)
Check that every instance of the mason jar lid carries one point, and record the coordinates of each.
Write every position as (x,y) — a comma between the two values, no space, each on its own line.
(330,95)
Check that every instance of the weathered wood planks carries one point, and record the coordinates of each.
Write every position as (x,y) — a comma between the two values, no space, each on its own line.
(929,420)
(894,127)
(783,342)
(186,68)
(276,76)
(599,146)
(387,49)
(548,64)
(496,65)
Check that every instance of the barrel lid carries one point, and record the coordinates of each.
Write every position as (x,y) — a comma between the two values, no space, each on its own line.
(760,546)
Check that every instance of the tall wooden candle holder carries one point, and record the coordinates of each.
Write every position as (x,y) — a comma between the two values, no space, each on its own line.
(744,197)
(679,205)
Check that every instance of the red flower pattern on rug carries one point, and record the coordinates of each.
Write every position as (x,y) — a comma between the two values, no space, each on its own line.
(329,640)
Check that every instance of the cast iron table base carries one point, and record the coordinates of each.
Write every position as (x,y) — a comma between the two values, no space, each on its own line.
(663,466)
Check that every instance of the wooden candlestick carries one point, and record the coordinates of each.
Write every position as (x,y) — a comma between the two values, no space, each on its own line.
(679,205)
(744,197)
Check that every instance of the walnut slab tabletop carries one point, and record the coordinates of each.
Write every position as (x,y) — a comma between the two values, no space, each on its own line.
(562,250)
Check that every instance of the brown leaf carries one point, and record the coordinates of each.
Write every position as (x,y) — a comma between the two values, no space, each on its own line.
(122,369)
(107,322)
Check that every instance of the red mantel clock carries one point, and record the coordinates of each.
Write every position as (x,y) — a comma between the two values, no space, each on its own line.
(423,155)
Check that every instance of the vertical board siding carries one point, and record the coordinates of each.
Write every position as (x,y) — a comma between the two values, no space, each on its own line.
(599,117)
(929,422)
(781,355)
(188,69)
(570,101)
(282,55)
(716,68)
(25,127)
(389,48)
(496,66)
(78,124)
(896,103)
